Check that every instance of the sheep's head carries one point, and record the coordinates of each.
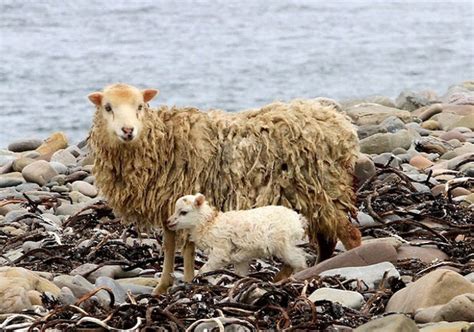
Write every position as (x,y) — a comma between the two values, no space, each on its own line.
(188,212)
(121,106)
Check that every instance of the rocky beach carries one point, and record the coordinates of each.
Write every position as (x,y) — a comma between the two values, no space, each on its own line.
(68,264)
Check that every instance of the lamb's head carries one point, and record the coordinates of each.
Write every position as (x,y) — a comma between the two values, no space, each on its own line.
(190,211)
(121,106)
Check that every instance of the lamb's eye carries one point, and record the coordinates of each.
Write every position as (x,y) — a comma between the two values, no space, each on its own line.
(140,107)
(183,213)
(108,108)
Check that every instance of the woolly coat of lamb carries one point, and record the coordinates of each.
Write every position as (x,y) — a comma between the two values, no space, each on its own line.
(237,237)
(299,154)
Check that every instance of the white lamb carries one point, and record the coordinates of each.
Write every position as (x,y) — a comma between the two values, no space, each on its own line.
(237,237)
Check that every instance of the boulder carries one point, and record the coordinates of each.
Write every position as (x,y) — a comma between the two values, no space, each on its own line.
(39,172)
(380,143)
(436,287)
(373,114)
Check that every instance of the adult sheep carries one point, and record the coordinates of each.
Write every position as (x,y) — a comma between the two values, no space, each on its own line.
(299,154)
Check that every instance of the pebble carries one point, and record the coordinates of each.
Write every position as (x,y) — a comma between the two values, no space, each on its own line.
(64,157)
(380,143)
(421,162)
(39,172)
(84,188)
(371,274)
(24,145)
(365,220)
(76,176)
(11,179)
(364,169)
(430,125)
(21,163)
(28,186)
(120,293)
(347,298)
(77,284)
(447,136)
(59,167)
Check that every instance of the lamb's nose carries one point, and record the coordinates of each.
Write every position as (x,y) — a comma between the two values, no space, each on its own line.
(127,131)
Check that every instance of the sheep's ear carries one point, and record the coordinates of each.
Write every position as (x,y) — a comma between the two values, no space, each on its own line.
(200,198)
(95,98)
(149,94)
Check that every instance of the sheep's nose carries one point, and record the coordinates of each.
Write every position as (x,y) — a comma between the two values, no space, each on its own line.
(127,131)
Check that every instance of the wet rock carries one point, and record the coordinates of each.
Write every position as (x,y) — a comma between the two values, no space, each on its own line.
(349,299)
(371,275)
(39,172)
(11,179)
(389,323)
(24,145)
(364,255)
(364,169)
(372,114)
(380,143)
(84,188)
(52,144)
(436,287)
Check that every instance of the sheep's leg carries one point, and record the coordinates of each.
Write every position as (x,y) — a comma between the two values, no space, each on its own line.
(188,256)
(326,247)
(169,248)
(242,268)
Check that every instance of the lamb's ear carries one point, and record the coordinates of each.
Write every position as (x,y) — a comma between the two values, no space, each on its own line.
(149,94)
(200,198)
(95,98)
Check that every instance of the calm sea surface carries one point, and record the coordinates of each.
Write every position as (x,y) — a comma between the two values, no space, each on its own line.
(222,54)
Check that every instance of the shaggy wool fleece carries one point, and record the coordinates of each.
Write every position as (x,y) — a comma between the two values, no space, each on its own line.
(298,154)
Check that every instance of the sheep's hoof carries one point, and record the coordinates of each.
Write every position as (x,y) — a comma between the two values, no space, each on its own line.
(284,273)
(161,288)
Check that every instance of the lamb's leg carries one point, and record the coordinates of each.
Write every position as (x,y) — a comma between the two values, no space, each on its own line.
(294,257)
(169,248)
(215,261)
(242,268)
(188,256)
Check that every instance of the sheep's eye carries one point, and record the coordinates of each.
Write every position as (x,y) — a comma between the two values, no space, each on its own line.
(183,213)
(108,108)
(140,107)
